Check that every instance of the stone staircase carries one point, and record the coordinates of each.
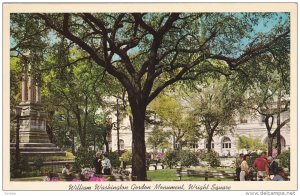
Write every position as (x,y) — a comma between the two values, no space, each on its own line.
(38,149)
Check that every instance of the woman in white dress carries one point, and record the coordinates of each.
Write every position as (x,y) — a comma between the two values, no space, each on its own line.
(244,167)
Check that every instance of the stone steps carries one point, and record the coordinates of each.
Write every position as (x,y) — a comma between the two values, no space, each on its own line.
(33,133)
(37,149)
(30,140)
(44,153)
(34,145)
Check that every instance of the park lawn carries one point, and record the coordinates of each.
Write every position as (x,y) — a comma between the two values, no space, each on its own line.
(170,175)
(162,175)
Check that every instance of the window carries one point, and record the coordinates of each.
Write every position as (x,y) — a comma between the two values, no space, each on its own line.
(194,145)
(262,118)
(122,145)
(226,143)
(242,120)
(177,145)
(212,144)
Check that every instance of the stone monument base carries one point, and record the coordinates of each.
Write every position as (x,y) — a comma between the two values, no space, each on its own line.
(38,149)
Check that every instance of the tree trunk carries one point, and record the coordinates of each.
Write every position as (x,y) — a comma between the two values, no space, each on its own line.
(138,142)
(73,141)
(278,137)
(209,140)
(106,146)
(270,144)
(278,124)
(50,133)
(105,140)
(79,127)
(118,127)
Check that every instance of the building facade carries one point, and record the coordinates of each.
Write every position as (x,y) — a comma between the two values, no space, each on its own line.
(225,145)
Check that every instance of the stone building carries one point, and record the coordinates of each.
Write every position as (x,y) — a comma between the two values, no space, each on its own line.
(225,145)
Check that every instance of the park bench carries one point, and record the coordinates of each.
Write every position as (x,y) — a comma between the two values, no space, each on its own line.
(154,165)
(219,175)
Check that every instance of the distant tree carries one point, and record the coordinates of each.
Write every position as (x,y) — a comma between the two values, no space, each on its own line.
(214,105)
(251,144)
(158,139)
(175,117)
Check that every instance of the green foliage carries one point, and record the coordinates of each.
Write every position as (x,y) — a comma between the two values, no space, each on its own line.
(38,163)
(253,156)
(158,139)
(15,84)
(172,113)
(23,165)
(188,158)
(114,159)
(127,157)
(214,105)
(84,159)
(251,144)
(171,158)
(212,158)
(285,159)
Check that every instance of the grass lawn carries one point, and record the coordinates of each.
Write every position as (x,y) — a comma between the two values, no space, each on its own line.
(153,175)
(162,175)
(170,175)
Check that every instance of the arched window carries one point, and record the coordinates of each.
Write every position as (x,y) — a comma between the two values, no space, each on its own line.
(122,145)
(177,146)
(282,141)
(212,144)
(226,142)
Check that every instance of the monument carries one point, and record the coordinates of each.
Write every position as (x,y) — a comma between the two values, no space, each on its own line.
(33,137)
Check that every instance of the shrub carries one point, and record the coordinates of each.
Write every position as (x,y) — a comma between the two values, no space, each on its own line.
(188,158)
(171,158)
(84,159)
(250,143)
(38,163)
(127,157)
(23,166)
(285,159)
(114,159)
(212,158)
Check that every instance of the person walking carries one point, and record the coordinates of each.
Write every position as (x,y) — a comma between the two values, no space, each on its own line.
(97,164)
(238,163)
(262,166)
(106,165)
(244,167)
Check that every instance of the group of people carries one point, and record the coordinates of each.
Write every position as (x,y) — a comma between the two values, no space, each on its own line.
(266,167)
(102,164)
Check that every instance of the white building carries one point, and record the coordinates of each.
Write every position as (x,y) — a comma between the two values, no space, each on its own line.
(224,145)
